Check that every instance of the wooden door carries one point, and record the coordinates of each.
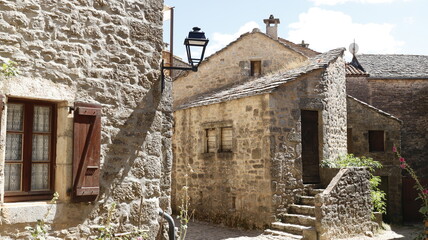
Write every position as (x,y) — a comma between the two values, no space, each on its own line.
(310,147)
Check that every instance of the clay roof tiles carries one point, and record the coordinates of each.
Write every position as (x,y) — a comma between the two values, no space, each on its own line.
(395,66)
(263,84)
(353,71)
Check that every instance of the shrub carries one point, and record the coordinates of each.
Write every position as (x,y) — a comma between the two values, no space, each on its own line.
(378,196)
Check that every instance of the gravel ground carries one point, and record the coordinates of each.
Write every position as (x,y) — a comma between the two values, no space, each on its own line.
(207,231)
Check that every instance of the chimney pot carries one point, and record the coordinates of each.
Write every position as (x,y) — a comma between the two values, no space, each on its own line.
(272,26)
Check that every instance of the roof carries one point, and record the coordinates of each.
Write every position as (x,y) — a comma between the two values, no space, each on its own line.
(395,66)
(374,108)
(263,84)
(305,50)
(353,71)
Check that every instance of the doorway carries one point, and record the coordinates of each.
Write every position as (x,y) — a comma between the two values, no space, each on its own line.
(310,147)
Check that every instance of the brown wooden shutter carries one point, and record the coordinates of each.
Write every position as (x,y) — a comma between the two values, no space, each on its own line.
(226,139)
(86,151)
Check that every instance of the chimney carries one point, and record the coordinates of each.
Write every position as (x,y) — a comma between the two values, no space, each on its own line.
(303,44)
(272,26)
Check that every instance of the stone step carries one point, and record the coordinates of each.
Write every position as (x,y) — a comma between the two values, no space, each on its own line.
(298,219)
(314,191)
(307,200)
(302,209)
(290,228)
(282,234)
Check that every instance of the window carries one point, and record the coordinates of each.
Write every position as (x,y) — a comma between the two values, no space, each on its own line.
(211,140)
(376,141)
(29,155)
(256,68)
(226,139)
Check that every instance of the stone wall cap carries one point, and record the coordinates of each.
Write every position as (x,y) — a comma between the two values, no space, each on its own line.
(374,108)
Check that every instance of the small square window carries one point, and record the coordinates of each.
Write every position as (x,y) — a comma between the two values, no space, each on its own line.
(226,139)
(256,68)
(376,141)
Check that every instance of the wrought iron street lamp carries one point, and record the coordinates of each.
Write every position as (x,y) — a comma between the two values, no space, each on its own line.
(195,43)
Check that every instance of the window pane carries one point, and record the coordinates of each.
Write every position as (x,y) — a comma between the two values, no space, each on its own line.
(15,116)
(226,139)
(39,176)
(41,119)
(13,147)
(12,177)
(40,151)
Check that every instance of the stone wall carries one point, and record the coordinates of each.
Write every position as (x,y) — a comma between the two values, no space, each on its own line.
(232,65)
(322,91)
(333,95)
(406,99)
(344,208)
(232,187)
(105,52)
(361,119)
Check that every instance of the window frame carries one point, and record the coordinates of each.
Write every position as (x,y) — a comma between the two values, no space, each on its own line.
(25,193)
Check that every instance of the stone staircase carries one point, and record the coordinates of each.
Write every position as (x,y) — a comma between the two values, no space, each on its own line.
(299,221)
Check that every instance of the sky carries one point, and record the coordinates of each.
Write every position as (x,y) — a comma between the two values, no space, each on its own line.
(377,26)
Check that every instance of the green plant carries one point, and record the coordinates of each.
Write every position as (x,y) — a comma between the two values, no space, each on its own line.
(378,196)
(422,191)
(9,69)
(185,215)
(40,231)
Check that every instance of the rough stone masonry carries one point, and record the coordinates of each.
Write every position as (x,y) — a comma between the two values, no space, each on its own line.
(102,52)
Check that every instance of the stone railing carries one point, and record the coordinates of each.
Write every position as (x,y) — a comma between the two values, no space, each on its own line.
(344,208)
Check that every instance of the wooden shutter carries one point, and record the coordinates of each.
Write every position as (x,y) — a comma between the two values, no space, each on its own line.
(226,139)
(211,139)
(376,141)
(86,151)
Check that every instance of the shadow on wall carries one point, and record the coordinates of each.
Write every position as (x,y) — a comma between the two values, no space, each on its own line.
(135,165)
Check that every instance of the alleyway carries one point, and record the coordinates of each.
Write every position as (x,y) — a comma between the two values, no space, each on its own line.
(207,231)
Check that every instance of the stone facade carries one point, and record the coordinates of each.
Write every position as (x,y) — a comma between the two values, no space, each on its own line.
(322,91)
(398,84)
(344,208)
(231,187)
(361,119)
(262,174)
(232,64)
(105,52)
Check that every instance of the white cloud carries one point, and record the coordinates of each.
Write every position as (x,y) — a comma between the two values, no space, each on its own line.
(220,40)
(325,30)
(335,2)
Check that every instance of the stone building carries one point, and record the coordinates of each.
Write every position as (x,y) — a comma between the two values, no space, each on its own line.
(251,127)
(85,117)
(373,133)
(398,84)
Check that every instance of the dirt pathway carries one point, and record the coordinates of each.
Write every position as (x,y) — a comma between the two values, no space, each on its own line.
(207,231)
